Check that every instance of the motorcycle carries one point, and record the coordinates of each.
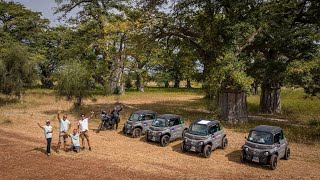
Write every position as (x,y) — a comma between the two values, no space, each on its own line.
(106,122)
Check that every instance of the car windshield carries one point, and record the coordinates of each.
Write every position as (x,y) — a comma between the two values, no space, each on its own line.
(134,117)
(260,137)
(160,122)
(198,129)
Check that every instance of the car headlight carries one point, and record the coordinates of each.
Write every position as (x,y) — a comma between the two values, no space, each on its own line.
(185,140)
(266,153)
(159,134)
(246,149)
(200,143)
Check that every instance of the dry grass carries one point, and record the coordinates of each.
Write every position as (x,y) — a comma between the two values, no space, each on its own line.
(111,148)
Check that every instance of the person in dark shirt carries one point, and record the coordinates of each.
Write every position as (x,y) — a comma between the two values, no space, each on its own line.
(115,115)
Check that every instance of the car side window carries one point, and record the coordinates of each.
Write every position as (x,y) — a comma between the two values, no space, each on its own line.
(213,129)
(148,117)
(281,136)
(277,137)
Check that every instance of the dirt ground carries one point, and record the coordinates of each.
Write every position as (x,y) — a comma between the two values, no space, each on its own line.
(115,156)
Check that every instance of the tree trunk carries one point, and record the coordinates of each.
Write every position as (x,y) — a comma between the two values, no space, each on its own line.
(166,84)
(254,89)
(47,83)
(233,106)
(188,83)
(176,82)
(78,102)
(270,98)
(140,85)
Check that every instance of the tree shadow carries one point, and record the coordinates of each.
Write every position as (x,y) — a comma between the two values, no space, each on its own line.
(235,157)
(8,101)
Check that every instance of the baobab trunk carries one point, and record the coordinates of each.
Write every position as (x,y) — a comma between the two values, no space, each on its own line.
(140,85)
(188,83)
(270,98)
(233,106)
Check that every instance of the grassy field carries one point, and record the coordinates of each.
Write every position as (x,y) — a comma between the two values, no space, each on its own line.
(303,113)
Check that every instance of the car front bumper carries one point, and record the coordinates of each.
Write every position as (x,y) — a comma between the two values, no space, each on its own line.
(255,156)
(153,136)
(128,129)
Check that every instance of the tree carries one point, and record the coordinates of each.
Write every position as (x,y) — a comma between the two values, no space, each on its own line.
(73,82)
(289,31)
(16,70)
(104,26)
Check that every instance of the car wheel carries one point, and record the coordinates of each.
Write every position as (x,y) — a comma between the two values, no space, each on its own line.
(224,143)
(273,162)
(287,153)
(243,157)
(207,151)
(146,137)
(165,139)
(124,131)
(183,147)
(136,133)
(184,133)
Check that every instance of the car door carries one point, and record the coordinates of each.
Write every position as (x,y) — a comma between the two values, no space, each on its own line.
(282,144)
(216,133)
(174,128)
(147,120)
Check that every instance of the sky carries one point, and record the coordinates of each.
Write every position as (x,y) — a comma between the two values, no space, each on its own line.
(43,6)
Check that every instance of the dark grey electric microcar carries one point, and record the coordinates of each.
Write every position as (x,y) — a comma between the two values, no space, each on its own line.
(265,145)
(166,128)
(138,122)
(203,136)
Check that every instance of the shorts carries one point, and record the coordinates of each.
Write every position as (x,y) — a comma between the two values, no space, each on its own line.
(75,148)
(84,134)
(63,137)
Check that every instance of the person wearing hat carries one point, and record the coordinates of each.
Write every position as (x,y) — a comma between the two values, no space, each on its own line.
(115,116)
(47,134)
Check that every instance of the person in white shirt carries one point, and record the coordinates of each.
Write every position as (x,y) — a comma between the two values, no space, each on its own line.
(47,134)
(83,126)
(63,130)
(75,141)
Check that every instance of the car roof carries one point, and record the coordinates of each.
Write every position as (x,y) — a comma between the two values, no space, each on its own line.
(207,122)
(267,128)
(169,116)
(144,112)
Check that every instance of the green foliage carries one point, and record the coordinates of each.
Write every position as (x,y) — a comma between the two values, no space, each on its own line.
(16,70)
(73,82)
(227,74)
(307,75)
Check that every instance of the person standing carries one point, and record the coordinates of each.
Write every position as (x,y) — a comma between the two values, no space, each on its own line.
(64,128)
(48,135)
(115,115)
(75,141)
(83,126)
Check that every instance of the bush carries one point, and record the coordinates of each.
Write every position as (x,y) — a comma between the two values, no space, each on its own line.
(73,82)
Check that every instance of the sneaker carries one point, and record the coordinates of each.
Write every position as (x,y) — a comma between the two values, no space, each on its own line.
(83,148)
(89,148)
(48,154)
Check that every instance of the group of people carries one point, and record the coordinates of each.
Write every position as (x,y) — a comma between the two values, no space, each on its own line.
(82,131)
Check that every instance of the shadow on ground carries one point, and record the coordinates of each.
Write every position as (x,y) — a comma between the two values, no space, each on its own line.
(235,157)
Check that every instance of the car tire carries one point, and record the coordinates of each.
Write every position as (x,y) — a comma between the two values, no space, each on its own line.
(136,133)
(224,143)
(124,131)
(183,147)
(206,152)
(147,137)
(243,157)
(184,133)
(165,140)
(287,153)
(273,162)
